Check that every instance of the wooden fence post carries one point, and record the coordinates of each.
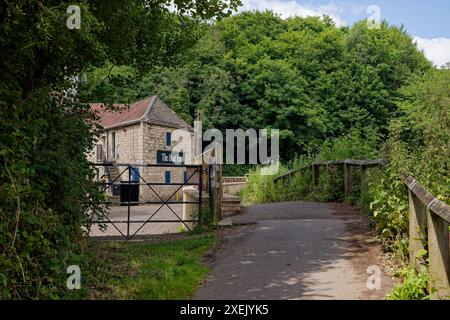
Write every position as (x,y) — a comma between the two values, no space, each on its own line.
(439,257)
(348,180)
(417,230)
(315,173)
(364,180)
(345,182)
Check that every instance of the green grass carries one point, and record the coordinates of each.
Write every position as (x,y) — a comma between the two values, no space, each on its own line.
(155,271)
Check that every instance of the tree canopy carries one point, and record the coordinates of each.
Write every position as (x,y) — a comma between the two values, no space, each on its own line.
(304,76)
(46,190)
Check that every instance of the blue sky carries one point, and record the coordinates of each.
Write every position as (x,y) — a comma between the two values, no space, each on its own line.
(427,21)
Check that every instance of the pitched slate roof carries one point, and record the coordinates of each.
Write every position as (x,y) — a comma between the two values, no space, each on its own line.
(152,110)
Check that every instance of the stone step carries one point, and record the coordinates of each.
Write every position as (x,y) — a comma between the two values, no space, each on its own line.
(231,209)
(231,205)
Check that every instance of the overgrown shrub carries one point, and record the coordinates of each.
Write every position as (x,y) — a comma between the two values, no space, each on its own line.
(262,189)
(412,287)
(357,144)
(419,143)
(46,184)
(47,194)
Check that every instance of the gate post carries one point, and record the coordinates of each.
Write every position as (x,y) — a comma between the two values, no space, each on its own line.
(212,189)
(215,190)
(200,194)
(129,204)
(219,192)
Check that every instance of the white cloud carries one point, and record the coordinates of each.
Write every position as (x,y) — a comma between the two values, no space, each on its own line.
(437,50)
(290,8)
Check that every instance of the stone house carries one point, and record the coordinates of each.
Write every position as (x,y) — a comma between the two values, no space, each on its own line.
(140,134)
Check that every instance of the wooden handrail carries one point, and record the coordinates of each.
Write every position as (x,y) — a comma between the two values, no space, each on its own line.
(438,207)
(428,228)
(350,162)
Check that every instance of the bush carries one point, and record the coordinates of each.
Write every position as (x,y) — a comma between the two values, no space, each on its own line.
(419,142)
(46,189)
(262,189)
(357,144)
(412,287)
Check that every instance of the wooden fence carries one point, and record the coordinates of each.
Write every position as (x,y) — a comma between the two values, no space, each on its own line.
(348,165)
(428,231)
(429,220)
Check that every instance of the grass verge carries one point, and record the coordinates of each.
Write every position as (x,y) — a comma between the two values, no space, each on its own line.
(152,271)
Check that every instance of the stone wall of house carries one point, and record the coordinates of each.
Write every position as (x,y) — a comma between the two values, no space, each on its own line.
(154,139)
(129,144)
(129,150)
(139,144)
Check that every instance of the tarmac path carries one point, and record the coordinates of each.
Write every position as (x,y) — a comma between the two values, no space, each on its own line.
(296,250)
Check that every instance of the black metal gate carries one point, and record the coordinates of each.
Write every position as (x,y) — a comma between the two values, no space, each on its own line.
(129,180)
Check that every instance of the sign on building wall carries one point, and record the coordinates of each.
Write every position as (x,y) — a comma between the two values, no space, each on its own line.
(165,157)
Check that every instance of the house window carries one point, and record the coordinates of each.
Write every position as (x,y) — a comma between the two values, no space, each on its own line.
(99,153)
(113,145)
(168,138)
(167,177)
(135,174)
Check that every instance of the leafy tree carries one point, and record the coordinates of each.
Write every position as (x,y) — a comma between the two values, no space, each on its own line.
(47,194)
(304,76)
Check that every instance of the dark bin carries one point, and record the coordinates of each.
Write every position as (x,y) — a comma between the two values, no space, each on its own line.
(116,190)
(125,192)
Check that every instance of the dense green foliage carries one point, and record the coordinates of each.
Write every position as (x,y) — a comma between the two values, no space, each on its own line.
(44,178)
(357,144)
(332,92)
(304,76)
(46,191)
(412,287)
(419,142)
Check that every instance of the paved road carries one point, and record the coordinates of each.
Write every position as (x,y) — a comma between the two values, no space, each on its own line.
(294,250)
